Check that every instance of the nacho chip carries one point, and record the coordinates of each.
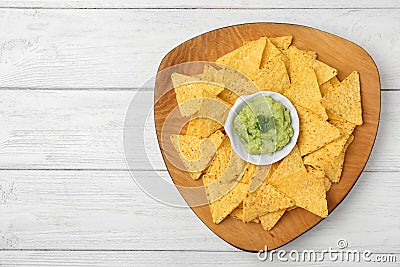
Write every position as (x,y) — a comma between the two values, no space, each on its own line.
(335,81)
(264,200)
(269,53)
(273,76)
(269,220)
(326,88)
(179,79)
(299,60)
(238,214)
(325,157)
(194,152)
(188,93)
(228,96)
(335,171)
(202,127)
(345,126)
(314,132)
(292,163)
(248,173)
(327,184)
(220,161)
(281,42)
(222,207)
(304,91)
(306,190)
(321,174)
(345,100)
(247,58)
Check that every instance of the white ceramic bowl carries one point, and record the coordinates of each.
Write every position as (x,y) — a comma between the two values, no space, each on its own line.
(261,159)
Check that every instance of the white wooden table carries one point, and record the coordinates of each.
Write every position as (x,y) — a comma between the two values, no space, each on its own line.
(68,71)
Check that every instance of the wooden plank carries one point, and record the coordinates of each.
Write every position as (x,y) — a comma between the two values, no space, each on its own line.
(194,4)
(66,48)
(107,210)
(83,130)
(150,258)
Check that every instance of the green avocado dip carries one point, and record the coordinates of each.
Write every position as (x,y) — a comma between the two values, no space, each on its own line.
(263,125)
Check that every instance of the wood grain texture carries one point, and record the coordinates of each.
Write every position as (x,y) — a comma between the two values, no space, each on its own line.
(123,48)
(336,52)
(177,4)
(106,210)
(66,50)
(148,258)
(85,127)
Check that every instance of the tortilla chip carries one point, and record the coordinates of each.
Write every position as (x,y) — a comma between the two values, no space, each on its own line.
(221,160)
(248,173)
(307,190)
(345,126)
(281,42)
(202,127)
(292,163)
(238,214)
(326,157)
(321,174)
(179,79)
(264,200)
(345,100)
(228,96)
(194,90)
(299,60)
(314,132)
(327,184)
(304,91)
(269,53)
(335,171)
(269,220)
(326,88)
(222,207)
(194,152)
(335,81)
(247,58)
(273,76)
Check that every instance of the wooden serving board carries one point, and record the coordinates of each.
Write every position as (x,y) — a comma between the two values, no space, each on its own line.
(342,54)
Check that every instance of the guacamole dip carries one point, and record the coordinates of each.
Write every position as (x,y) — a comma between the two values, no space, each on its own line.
(263,125)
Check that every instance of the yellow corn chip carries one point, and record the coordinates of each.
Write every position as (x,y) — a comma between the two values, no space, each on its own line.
(306,190)
(202,127)
(335,81)
(324,157)
(327,184)
(326,87)
(281,42)
(292,163)
(345,100)
(225,205)
(269,220)
(321,174)
(273,76)
(345,126)
(335,171)
(246,58)
(314,132)
(264,200)
(299,60)
(194,155)
(221,160)
(238,214)
(270,51)
(304,91)
(248,173)
(228,96)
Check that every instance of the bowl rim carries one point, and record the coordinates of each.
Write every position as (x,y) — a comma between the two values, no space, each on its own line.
(237,146)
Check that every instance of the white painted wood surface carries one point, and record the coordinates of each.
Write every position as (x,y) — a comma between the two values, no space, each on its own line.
(68,72)
(122,48)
